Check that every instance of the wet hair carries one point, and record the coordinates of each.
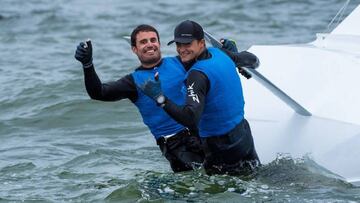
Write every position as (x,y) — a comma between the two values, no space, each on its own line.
(142,28)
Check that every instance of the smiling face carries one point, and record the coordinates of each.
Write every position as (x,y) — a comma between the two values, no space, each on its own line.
(190,51)
(147,48)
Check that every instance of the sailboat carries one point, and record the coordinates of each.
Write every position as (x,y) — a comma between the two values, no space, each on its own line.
(304,99)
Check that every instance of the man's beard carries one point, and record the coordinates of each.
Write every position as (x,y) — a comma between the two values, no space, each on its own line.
(150,61)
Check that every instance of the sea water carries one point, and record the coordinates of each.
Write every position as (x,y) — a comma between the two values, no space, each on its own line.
(57,145)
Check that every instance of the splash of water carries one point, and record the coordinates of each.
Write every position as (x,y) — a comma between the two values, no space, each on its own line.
(284,178)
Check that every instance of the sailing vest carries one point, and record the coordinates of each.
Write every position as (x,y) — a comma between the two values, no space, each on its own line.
(224,102)
(171,74)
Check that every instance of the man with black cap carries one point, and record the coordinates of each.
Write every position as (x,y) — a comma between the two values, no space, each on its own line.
(179,145)
(214,102)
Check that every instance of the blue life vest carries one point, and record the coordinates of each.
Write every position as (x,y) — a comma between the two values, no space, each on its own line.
(224,102)
(172,75)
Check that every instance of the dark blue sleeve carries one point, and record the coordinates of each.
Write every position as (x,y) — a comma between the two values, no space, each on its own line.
(111,91)
(243,59)
(197,85)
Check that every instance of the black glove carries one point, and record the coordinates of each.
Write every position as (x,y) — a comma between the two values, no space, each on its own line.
(84,53)
(229,45)
(248,60)
(152,88)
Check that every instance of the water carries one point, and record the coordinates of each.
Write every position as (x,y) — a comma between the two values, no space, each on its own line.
(57,145)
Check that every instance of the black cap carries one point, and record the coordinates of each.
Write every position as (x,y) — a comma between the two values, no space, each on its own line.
(187,31)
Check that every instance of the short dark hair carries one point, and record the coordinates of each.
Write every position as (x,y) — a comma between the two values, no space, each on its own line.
(142,28)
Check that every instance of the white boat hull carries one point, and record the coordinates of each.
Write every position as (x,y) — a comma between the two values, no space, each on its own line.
(323,77)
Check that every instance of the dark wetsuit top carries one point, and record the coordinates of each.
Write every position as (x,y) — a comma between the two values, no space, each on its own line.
(125,87)
(183,155)
(189,115)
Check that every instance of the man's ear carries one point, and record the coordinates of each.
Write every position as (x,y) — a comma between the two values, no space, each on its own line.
(134,49)
(202,42)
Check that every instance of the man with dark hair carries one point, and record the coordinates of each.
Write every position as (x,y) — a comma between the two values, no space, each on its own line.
(142,28)
(180,145)
(214,102)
